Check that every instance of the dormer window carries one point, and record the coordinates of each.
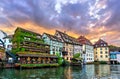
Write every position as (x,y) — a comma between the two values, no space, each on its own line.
(104,44)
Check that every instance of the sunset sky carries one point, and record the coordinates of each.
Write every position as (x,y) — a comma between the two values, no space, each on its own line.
(93,18)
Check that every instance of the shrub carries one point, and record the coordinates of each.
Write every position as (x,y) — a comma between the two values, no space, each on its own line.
(77,55)
(102,62)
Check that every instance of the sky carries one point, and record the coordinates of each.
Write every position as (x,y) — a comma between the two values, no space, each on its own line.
(94,19)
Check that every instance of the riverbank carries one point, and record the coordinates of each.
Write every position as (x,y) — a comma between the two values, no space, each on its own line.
(35,65)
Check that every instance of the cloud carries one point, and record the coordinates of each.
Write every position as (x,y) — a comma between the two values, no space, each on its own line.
(93,18)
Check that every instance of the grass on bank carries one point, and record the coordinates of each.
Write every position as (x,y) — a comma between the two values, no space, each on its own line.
(39,65)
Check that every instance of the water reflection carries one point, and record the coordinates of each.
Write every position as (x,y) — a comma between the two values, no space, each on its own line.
(102,70)
(87,72)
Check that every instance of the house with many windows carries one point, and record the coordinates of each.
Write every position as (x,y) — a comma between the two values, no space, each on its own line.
(115,57)
(8,42)
(30,48)
(88,49)
(101,51)
(56,44)
(70,45)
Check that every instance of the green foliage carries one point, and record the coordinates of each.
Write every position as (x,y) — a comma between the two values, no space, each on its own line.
(114,48)
(22,49)
(19,37)
(102,62)
(65,63)
(39,65)
(77,55)
(60,60)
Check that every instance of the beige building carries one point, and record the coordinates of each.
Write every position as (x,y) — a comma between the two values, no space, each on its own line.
(101,51)
(70,45)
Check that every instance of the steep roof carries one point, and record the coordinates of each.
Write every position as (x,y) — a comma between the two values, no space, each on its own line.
(101,43)
(9,36)
(52,37)
(3,33)
(67,38)
(27,31)
(84,40)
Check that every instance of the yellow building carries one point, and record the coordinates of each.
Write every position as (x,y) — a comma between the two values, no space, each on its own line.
(101,51)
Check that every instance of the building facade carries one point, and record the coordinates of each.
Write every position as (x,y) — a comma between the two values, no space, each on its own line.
(101,51)
(70,45)
(115,57)
(2,48)
(56,44)
(25,40)
(30,48)
(8,42)
(88,50)
(2,35)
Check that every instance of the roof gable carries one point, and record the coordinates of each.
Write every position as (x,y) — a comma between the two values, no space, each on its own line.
(52,37)
(100,43)
(68,39)
(84,40)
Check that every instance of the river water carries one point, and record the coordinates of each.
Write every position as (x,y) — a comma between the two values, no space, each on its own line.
(87,72)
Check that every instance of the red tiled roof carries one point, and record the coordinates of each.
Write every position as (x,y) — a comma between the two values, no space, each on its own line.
(84,40)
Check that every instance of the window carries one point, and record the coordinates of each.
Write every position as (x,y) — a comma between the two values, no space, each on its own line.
(96,52)
(87,59)
(67,58)
(106,48)
(101,56)
(44,37)
(101,52)
(106,56)
(101,48)
(106,52)
(104,44)
(54,53)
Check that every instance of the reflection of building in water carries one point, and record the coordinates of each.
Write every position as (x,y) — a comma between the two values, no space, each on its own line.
(90,71)
(102,70)
(115,68)
(68,73)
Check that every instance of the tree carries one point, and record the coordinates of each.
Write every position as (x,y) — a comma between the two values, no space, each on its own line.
(60,60)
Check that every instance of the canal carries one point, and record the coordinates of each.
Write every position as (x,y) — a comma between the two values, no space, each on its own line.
(87,72)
